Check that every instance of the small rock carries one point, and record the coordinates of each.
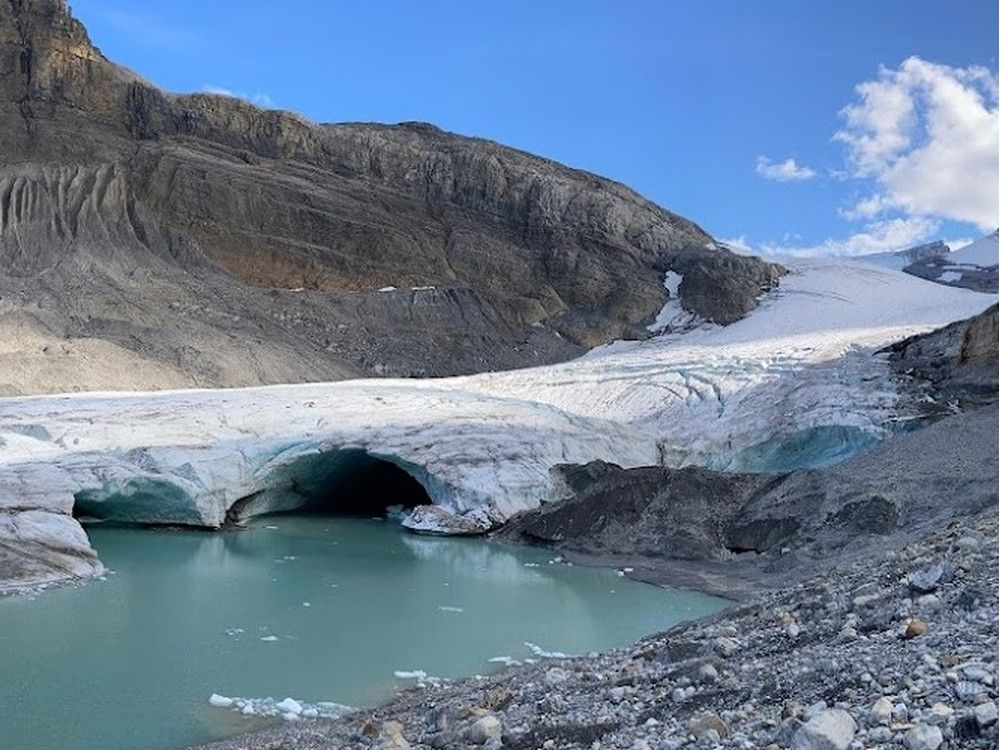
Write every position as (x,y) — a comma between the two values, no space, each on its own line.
(976,673)
(847,633)
(392,734)
(814,709)
(832,729)
(791,709)
(923,737)
(939,713)
(986,714)
(707,673)
(881,712)
(880,734)
(915,627)
(485,729)
(701,725)
(926,581)
(727,646)
(555,675)
(967,544)
(967,691)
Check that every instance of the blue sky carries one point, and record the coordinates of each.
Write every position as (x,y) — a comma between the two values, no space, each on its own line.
(697,105)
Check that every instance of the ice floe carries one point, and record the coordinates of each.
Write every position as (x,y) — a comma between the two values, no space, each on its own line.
(289,709)
(542,653)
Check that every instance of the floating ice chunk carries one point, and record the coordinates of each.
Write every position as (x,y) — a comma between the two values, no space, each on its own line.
(269,638)
(289,706)
(289,709)
(451,609)
(539,651)
(531,565)
(396,512)
(306,604)
(416,674)
(507,661)
(388,289)
(271,528)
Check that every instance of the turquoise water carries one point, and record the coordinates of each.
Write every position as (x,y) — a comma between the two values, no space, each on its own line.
(130,662)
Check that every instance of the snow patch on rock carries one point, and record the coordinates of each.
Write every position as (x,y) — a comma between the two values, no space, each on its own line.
(673,317)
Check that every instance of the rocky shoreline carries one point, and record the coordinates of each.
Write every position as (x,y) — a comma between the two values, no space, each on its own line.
(896,649)
(842,637)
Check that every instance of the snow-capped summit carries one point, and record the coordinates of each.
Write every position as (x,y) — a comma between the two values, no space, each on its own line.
(983,252)
(973,266)
(900,259)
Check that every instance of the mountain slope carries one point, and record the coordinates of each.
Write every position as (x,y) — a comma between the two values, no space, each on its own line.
(199,240)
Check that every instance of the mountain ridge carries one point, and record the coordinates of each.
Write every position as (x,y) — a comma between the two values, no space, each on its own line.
(329,251)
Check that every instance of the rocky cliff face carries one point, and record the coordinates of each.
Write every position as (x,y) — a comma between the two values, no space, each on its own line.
(199,240)
(954,367)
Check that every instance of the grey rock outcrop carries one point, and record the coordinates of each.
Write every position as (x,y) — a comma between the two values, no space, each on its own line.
(733,533)
(149,239)
(952,367)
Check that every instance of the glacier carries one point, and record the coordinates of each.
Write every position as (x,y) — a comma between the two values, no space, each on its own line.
(802,367)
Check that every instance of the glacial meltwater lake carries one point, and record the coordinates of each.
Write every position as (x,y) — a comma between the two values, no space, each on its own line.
(310,607)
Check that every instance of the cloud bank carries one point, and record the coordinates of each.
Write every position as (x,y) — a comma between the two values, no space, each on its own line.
(927,135)
(784,171)
(924,141)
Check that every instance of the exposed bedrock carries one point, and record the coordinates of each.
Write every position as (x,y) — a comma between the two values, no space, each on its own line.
(951,368)
(254,230)
(732,533)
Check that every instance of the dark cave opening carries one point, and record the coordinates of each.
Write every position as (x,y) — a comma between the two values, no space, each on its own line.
(355,483)
(345,482)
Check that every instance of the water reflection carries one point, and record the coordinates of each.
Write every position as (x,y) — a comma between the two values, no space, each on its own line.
(310,607)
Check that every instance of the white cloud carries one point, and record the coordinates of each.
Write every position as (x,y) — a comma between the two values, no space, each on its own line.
(866,208)
(739,245)
(261,100)
(928,135)
(874,237)
(784,171)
